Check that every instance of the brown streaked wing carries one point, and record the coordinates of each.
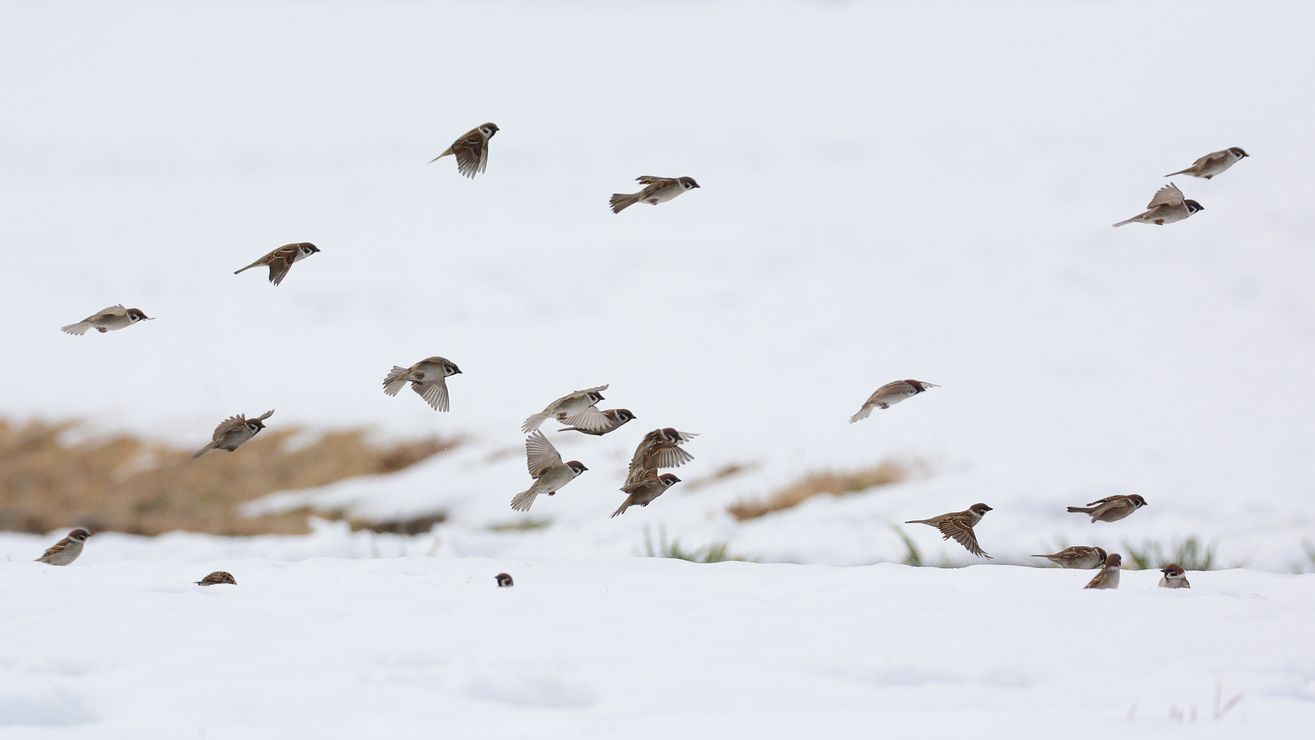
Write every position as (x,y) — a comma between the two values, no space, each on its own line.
(228,425)
(540,454)
(960,532)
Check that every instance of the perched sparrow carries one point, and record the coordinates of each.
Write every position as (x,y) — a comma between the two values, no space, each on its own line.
(547,470)
(107,319)
(233,431)
(471,150)
(616,418)
(659,448)
(281,259)
(959,525)
(1108,577)
(642,492)
(1110,508)
(1166,207)
(1174,575)
(576,409)
(656,190)
(216,578)
(428,378)
(890,394)
(1213,163)
(1078,556)
(503,580)
(66,550)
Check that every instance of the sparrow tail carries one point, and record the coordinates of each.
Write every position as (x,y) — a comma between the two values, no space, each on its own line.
(248,267)
(395,380)
(523,500)
(625,505)
(77,329)
(534,422)
(921,521)
(862,414)
(1080,510)
(622,201)
(202,451)
(444,154)
(1121,223)
(1179,172)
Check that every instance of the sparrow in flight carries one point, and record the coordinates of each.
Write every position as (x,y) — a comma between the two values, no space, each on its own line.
(958,525)
(281,260)
(471,150)
(656,190)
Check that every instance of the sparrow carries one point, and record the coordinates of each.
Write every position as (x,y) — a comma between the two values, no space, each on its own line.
(107,319)
(1111,508)
(428,378)
(616,418)
(66,550)
(233,431)
(1174,575)
(659,448)
(1166,207)
(959,525)
(547,470)
(1213,163)
(471,150)
(890,394)
(575,408)
(1078,556)
(503,580)
(216,578)
(280,260)
(656,190)
(643,492)
(1108,577)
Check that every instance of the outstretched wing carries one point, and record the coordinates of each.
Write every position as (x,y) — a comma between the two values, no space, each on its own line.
(435,393)
(591,419)
(472,153)
(1169,195)
(959,531)
(228,425)
(540,454)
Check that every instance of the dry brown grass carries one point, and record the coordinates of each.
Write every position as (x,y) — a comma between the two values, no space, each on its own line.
(826,483)
(51,479)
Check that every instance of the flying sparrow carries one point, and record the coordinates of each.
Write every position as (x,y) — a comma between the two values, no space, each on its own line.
(1213,163)
(1078,556)
(428,378)
(1174,575)
(1108,577)
(217,578)
(890,394)
(66,550)
(107,319)
(659,448)
(503,580)
(576,409)
(547,470)
(616,418)
(280,260)
(471,150)
(1110,508)
(1168,206)
(233,431)
(959,526)
(643,492)
(656,190)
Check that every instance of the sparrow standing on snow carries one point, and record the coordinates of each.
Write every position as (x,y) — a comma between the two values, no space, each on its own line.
(656,190)
(547,470)
(233,431)
(959,526)
(217,578)
(659,448)
(503,580)
(1174,575)
(1213,163)
(1108,577)
(1078,556)
(1168,206)
(642,492)
(428,378)
(107,319)
(576,409)
(890,394)
(66,550)
(616,418)
(471,150)
(280,260)
(1110,508)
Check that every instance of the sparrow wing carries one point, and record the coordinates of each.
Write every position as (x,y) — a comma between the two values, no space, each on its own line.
(56,549)
(666,456)
(472,153)
(1213,158)
(1105,500)
(108,313)
(591,419)
(651,180)
(574,395)
(959,531)
(540,454)
(280,261)
(228,425)
(1169,195)
(434,393)
(640,481)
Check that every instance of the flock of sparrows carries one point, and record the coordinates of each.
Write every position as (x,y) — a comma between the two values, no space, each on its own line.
(661,448)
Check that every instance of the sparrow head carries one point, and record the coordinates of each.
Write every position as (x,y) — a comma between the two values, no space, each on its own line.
(136,314)
(1236,151)
(687,183)
(1113,560)
(1193,206)
(595,396)
(255,425)
(450,368)
(668,480)
(668,434)
(621,416)
(1173,570)
(576,467)
(1100,552)
(79,534)
(1137,501)
(307,249)
(488,129)
(919,386)
(980,509)
(503,580)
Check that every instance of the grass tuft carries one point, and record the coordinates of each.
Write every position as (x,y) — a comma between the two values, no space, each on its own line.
(826,483)
(716,552)
(1191,553)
